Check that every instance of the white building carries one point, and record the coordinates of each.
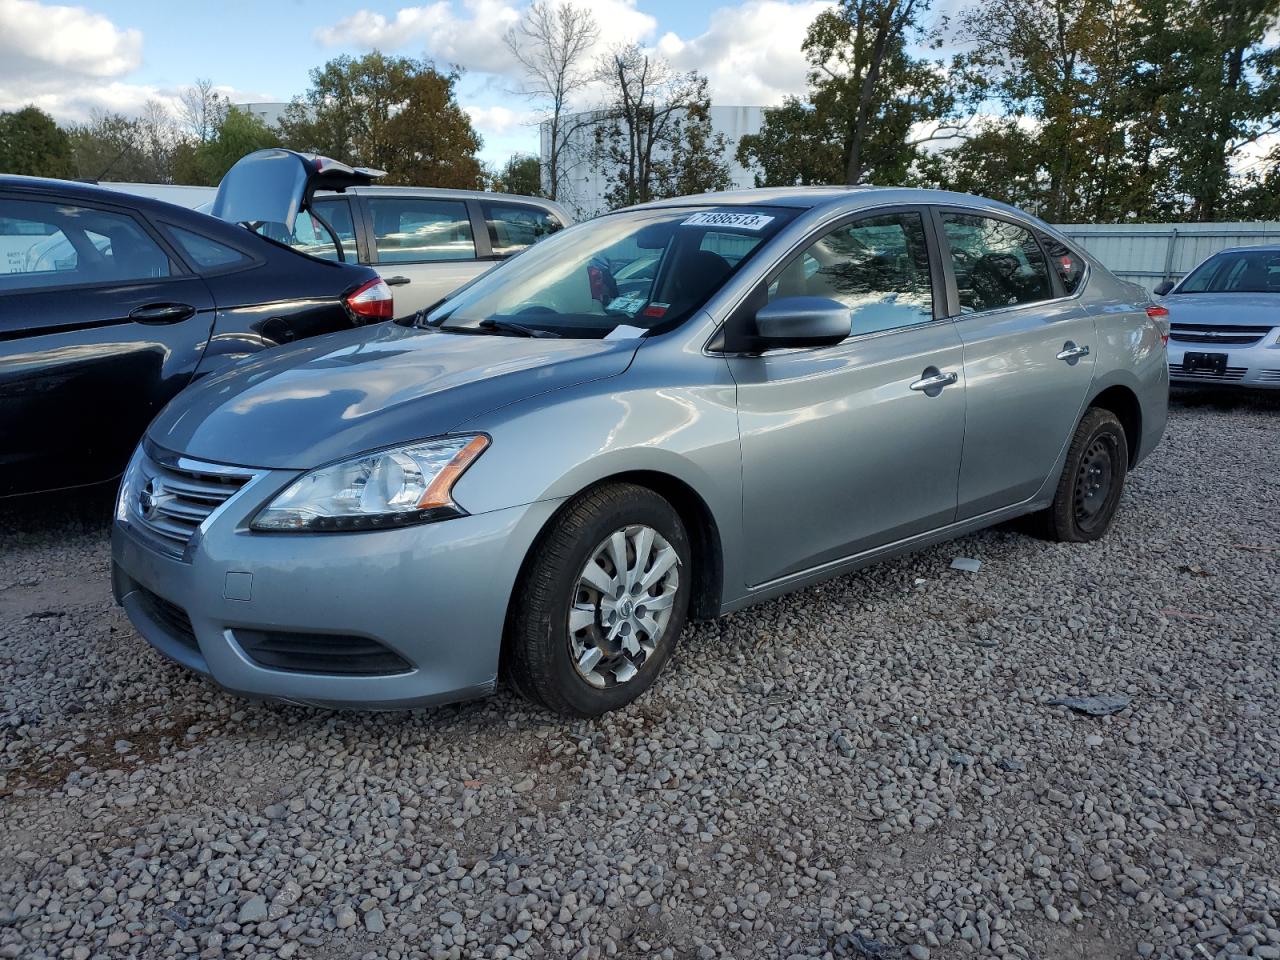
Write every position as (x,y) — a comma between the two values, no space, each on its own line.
(584,184)
(268,113)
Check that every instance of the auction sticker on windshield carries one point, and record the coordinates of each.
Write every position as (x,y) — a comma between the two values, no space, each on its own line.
(718,218)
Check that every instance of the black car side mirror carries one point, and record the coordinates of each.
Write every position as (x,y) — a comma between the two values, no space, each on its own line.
(801,322)
(1163,287)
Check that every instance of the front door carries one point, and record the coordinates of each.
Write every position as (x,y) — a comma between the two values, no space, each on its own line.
(99,328)
(849,447)
(1029,352)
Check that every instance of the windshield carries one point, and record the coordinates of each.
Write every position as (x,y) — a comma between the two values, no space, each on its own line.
(639,270)
(1242,272)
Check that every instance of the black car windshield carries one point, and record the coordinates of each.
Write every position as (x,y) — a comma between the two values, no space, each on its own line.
(1246,271)
(623,274)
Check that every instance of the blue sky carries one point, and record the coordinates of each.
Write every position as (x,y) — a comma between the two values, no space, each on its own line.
(70,59)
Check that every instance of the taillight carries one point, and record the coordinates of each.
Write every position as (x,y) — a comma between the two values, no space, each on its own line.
(372,301)
(1161,316)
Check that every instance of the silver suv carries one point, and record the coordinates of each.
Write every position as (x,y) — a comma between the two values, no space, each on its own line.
(428,242)
(555,467)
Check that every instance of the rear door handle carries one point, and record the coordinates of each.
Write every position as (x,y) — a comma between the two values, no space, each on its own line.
(157,313)
(1071,353)
(933,380)
(395,281)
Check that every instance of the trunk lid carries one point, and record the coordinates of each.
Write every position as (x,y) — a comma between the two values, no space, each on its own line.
(273,186)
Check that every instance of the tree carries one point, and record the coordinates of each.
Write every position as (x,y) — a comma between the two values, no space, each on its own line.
(654,137)
(871,105)
(201,110)
(796,146)
(552,43)
(112,146)
(238,132)
(521,174)
(394,113)
(31,144)
(1225,94)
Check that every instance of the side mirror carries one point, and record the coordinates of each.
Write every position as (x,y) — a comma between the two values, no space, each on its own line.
(801,322)
(1163,287)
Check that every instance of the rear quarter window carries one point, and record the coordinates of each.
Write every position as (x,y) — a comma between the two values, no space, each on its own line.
(204,252)
(1068,264)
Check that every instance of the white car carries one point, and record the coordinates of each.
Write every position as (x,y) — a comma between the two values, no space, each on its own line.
(1225,320)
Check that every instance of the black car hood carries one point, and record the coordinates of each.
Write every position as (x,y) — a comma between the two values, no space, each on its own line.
(341,394)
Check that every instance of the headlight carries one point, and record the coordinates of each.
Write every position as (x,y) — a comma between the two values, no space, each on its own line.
(387,488)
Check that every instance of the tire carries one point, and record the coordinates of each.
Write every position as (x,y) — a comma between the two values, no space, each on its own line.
(545,659)
(1092,481)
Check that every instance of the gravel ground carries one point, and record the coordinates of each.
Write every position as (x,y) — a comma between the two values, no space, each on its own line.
(871,768)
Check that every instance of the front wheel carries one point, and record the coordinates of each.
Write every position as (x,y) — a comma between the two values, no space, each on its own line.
(1089,491)
(602,602)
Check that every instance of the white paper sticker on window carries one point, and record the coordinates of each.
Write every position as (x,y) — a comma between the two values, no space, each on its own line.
(724,218)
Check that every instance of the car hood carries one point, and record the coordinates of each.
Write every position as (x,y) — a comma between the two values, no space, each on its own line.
(1225,309)
(342,394)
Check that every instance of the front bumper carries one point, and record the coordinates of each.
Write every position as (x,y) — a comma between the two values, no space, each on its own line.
(434,596)
(1256,367)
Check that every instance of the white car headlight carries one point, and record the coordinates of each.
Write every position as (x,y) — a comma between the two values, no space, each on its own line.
(386,488)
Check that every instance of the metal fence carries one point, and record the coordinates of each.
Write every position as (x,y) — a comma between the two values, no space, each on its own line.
(1147,253)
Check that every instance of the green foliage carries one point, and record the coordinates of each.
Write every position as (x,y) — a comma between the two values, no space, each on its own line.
(32,144)
(796,146)
(238,133)
(521,174)
(394,113)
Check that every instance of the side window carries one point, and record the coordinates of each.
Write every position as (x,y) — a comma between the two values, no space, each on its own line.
(206,253)
(408,229)
(337,214)
(54,244)
(877,266)
(997,264)
(513,227)
(1068,263)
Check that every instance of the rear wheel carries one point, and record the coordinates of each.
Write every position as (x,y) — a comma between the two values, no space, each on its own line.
(1092,481)
(601,606)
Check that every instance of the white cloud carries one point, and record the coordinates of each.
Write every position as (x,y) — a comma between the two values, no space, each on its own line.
(471,34)
(750,53)
(40,41)
(499,120)
(69,62)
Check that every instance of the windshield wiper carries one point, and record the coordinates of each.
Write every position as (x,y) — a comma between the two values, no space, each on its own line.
(519,329)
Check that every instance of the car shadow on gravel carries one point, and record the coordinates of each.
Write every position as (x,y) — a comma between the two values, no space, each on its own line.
(85,510)
(1225,400)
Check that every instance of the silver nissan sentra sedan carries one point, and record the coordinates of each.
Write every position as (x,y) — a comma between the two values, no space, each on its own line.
(546,474)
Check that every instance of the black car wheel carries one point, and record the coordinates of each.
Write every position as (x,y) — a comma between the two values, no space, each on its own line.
(601,603)
(1092,481)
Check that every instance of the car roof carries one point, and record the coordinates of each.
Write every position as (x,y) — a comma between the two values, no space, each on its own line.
(852,197)
(450,193)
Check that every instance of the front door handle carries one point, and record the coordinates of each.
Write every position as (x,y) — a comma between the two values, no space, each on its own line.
(395,281)
(156,313)
(1071,353)
(933,380)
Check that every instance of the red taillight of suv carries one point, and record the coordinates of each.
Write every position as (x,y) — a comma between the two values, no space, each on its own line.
(1161,316)
(372,301)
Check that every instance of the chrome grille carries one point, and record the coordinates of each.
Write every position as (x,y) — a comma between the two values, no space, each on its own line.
(1269,376)
(1227,336)
(1231,373)
(170,497)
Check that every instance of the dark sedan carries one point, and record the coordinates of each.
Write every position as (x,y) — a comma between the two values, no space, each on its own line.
(110,304)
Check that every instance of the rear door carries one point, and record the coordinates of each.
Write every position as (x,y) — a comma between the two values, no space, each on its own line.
(1029,350)
(99,327)
(424,247)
